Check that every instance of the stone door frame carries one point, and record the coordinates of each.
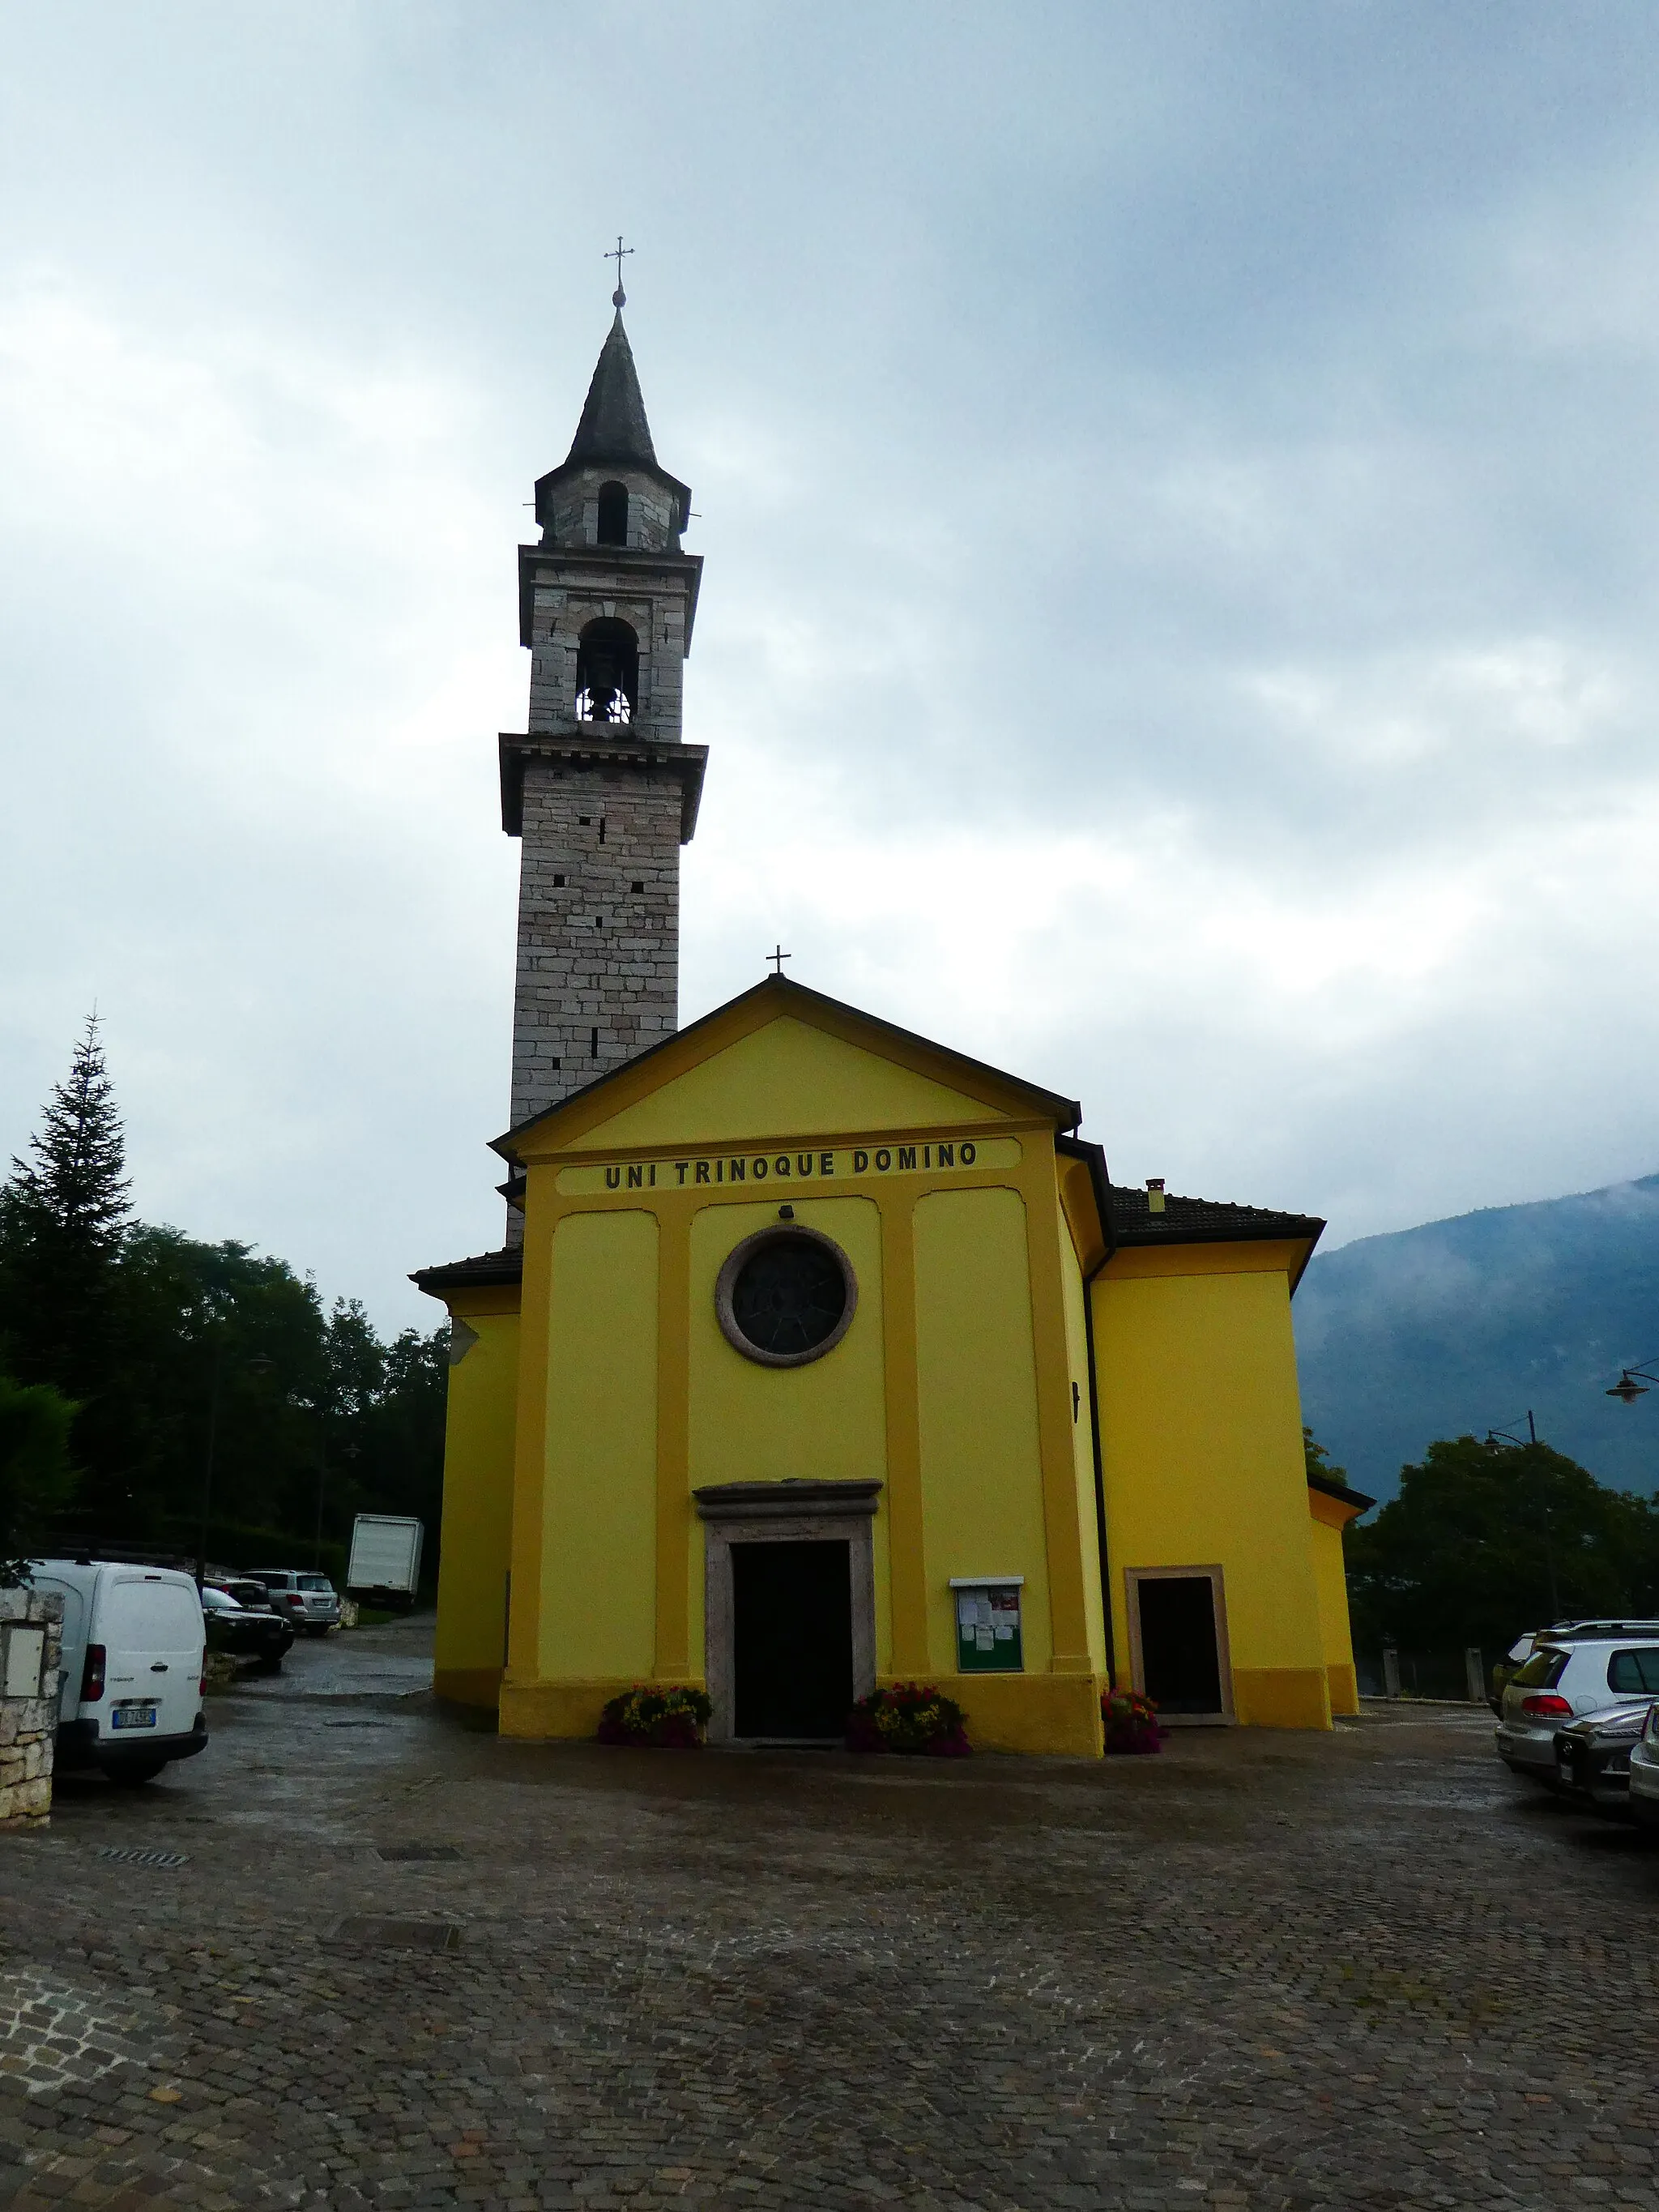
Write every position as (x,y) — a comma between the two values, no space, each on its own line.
(1133,1578)
(782,1513)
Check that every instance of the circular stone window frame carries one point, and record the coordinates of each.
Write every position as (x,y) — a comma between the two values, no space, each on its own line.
(725,1284)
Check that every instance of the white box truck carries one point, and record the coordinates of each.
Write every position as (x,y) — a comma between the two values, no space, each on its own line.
(386,1557)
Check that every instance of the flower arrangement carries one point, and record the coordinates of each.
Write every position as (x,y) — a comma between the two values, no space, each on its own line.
(669,1719)
(910,1716)
(1130,1722)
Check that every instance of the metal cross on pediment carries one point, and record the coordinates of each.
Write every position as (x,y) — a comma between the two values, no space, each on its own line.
(777,957)
(618,253)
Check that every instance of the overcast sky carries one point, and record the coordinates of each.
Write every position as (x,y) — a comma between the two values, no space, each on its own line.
(1178,485)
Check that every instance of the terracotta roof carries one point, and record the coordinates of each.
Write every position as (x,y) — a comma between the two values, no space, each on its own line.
(1201,1220)
(613,427)
(506,1266)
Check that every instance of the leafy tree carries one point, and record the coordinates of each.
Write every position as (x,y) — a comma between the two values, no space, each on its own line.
(158,1337)
(1486,1539)
(1319,1461)
(36,1477)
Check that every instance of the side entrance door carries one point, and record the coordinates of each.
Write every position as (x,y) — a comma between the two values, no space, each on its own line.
(792,1639)
(1178,1631)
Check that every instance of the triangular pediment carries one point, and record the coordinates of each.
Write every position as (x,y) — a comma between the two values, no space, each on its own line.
(783,1062)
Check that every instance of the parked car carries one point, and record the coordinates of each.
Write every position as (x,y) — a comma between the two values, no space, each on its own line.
(1644,1773)
(244,1632)
(1558,1686)
(1592,1757)
(308,1600)
(129,1696)
(252,1596)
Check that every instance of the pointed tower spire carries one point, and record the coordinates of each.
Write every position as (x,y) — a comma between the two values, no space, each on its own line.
(613,428)
(600,785)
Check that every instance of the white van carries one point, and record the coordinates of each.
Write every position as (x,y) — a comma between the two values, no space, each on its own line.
(131,1694)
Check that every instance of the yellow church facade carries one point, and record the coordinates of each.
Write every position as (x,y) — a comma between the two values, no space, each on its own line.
(831,1357)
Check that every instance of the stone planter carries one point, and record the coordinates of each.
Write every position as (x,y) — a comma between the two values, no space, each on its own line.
(31,1647)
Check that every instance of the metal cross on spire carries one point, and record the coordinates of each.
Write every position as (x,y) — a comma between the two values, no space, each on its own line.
(618,253)
(777,957)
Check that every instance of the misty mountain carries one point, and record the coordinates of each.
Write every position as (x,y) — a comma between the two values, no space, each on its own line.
(1460,1326)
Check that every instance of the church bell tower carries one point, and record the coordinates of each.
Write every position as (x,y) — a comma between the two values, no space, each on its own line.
(600,788)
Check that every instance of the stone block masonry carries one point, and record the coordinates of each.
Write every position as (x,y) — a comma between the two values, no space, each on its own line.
(31,1651)
(597,978)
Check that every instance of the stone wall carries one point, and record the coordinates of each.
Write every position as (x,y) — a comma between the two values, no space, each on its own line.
(598,926)
(29,1724)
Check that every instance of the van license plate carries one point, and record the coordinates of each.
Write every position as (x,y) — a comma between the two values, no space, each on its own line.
(133,1713)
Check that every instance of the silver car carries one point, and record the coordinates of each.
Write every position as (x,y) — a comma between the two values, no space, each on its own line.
(308,1602)
(1558,1686)
(1592,1757)
(1645,1774)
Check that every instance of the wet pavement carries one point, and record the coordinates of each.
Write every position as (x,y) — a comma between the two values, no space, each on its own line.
(363,1952)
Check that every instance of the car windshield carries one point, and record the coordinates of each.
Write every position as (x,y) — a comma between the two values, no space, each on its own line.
(313,1583)
(1541,1672)
(218,1601)
(1635,1673)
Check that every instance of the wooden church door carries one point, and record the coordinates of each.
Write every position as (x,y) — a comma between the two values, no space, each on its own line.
(792,1639)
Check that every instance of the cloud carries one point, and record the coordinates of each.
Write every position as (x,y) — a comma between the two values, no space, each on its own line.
(1178,619)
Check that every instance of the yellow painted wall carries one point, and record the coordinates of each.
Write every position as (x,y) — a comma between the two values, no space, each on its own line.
(982,1477)
(787,1080)
(598,1534)
(1201,1438)
(1330,1579)
(477,1505)
(823,1422)
(1083,1449)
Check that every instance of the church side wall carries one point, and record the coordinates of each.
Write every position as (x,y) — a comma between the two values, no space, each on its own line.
(1331,1580)
(1083,1448)
(479,1422)
(597,1621)
(1201,1440)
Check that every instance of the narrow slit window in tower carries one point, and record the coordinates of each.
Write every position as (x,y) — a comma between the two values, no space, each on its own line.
(594,1046)
(613,514)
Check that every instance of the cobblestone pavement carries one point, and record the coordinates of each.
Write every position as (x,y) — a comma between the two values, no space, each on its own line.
(403,1964)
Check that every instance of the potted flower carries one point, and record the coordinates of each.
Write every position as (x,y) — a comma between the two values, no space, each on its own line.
(1130,1722)
(671,1718)
(912,1716)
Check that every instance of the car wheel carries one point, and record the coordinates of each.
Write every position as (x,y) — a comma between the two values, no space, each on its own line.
(270,1665)
(134,1776)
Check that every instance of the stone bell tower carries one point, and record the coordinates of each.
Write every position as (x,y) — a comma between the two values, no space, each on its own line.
(600,788)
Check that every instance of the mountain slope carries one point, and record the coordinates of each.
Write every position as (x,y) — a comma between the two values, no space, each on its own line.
(1459,1326)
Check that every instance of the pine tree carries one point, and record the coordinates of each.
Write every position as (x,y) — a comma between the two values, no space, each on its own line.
(63,1215)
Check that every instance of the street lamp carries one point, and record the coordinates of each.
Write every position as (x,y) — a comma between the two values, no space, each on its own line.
(1501,1439)
(1635,1381)
(1497,1437)
(258,1365)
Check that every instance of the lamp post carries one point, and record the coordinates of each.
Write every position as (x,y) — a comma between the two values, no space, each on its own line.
(1502,1439)
(258,1365)
(348,1452)
(1635,1382)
